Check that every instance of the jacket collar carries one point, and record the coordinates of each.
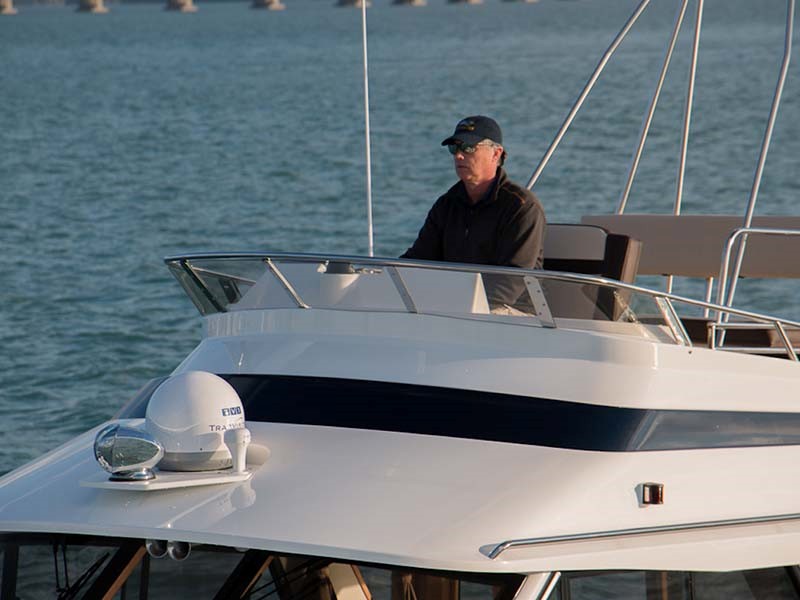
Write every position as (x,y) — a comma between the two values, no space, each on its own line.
(499,179)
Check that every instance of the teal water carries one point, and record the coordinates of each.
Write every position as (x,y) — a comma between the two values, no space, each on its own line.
(138,134)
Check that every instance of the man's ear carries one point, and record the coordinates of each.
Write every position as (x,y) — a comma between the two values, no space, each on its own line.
(500,155)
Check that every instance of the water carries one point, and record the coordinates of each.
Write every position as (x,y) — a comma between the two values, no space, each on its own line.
(139,134)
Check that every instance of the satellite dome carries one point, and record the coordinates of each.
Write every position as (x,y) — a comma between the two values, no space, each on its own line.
(189,414)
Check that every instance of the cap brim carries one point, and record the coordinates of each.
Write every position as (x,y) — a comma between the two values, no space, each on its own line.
(464,138)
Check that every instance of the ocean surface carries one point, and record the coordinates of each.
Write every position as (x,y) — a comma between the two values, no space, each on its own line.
(139,134)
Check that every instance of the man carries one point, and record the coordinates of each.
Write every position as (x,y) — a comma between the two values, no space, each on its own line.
(484,218)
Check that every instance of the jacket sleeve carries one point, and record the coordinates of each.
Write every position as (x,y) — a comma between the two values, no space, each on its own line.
(520,244)
(428,245)
(521,240)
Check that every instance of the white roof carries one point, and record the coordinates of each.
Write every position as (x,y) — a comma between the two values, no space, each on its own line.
(433,502)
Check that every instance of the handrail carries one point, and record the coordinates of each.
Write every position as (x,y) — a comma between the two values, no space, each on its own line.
(721,323)
(721,328)
(467,268)
(637,531)
(726,258)
(491,269)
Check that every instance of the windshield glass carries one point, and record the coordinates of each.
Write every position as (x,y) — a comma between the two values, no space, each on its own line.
(518,296)
(57,566)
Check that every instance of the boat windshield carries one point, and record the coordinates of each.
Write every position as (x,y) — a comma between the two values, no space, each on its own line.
(219,284)
(58,566)
(242,282)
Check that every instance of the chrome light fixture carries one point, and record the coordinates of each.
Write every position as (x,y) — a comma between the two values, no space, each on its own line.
(156,548)
(178,551)
(128,454)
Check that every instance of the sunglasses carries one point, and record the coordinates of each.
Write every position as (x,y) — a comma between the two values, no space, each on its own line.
(465,148)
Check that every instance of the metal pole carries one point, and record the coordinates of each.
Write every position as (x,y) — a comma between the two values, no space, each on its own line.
(587,88)
(687,117)
(773,114)
(648,119)
(368,150)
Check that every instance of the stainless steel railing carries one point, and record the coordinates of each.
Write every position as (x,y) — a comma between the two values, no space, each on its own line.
(195,267)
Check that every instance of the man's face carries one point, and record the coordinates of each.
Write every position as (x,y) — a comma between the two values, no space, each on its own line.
(479,166)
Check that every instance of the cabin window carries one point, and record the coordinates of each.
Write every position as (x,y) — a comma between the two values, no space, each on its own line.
(395,584)
(781,583)
(51,569)
(766,584)
(56,566)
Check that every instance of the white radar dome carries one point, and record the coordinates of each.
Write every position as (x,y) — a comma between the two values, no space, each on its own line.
(189,414)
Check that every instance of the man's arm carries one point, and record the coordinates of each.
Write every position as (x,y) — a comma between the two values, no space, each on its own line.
(428,245)
(521,240)
(520,244)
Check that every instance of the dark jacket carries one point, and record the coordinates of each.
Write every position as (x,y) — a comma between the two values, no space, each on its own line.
(506,228)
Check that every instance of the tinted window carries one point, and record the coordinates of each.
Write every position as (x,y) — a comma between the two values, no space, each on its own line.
(80,567)
(762,584)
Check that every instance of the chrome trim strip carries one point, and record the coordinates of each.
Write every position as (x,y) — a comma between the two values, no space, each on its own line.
(598,535)
(285,283)
(740,325)
(400,285)
(786,341)
(673,321)
(539,302)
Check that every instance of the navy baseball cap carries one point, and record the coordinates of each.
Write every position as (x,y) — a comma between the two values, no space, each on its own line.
(472,130)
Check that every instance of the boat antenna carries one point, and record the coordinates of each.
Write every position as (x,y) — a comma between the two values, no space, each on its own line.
(367,149)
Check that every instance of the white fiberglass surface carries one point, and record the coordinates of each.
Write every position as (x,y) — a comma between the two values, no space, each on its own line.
(437,503)
(617,370)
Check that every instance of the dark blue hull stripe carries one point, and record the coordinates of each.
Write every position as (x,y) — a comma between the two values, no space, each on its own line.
(503,417)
